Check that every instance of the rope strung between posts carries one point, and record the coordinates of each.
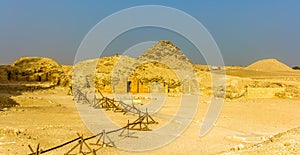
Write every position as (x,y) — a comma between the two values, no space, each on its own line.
(129,126)
(107,103)
(85,139)
(125,108)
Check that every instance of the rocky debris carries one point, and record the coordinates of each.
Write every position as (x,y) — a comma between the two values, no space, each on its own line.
(265,84)
(269,65)
(289,92)
(122,70)
(287,144)
(12,131)
(236,87)
(239,147)
(65,78)
(83,72)
(100,72)
(283,143)
(154,71)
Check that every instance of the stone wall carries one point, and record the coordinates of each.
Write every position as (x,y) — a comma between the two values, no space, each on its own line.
(4,73)
(263,92)
(136,86)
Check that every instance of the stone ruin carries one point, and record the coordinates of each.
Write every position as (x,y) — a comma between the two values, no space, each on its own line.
(154,71)
(36,69)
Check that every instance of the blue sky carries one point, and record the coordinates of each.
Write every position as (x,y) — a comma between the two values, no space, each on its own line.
(245,31)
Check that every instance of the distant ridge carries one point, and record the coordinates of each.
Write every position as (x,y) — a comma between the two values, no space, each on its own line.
(269,65)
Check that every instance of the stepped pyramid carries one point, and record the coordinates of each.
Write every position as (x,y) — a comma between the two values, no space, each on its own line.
(169,58)
(167,53)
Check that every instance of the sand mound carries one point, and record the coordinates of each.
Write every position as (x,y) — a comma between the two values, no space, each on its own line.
(269,65)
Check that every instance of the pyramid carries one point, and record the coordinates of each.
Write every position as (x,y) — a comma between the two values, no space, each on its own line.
(269,65)
(171,66)
(166,53)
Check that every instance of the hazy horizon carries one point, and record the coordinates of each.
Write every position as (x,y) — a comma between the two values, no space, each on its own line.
(244,31)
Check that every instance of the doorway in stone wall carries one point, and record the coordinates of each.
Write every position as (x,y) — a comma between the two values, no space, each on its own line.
(39,78)
(128,86)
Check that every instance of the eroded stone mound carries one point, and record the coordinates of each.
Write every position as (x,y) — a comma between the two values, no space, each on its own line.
(269,65)
(98,72)
(36,63)
(38,69)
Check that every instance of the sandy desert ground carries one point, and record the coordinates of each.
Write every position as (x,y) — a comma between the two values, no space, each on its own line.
(49,117)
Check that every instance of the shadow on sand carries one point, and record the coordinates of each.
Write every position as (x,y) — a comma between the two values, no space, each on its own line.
(9,90)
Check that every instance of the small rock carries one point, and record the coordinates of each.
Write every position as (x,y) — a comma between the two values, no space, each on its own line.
(287,144)
(16,132)
(259,145)
(271,139)
(239,147)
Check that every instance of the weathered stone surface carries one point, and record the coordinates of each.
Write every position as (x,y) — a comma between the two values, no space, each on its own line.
(37,69)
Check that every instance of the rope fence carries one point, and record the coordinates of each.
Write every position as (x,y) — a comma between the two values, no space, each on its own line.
(140,124)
